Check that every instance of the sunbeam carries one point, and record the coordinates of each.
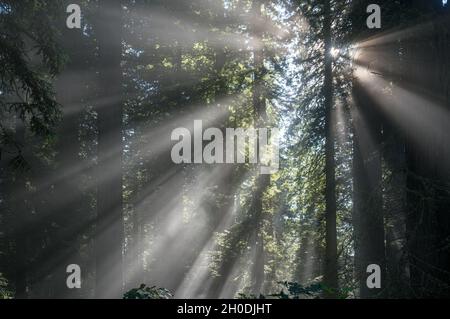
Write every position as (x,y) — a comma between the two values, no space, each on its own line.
(224,149)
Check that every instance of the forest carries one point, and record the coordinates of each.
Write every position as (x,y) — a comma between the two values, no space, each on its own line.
(221,149)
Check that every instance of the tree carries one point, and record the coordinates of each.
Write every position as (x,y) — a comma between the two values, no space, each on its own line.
(26,88)
(109,225)
(330,272)
(30,56)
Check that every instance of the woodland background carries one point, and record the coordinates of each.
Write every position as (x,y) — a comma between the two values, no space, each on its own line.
(86,176)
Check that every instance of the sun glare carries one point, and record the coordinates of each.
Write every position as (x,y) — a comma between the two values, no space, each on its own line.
(334,52)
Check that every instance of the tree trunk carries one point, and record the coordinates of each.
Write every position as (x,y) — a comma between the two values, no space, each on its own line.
(66,211)
(261,121)
(20,210)
(394,200)
(330,271)
(109,226)
(367,198)
(428,199)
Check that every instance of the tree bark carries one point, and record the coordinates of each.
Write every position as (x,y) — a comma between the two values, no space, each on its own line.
(367,197)
(21,221)
(109,226)
(261,121)
(330,271)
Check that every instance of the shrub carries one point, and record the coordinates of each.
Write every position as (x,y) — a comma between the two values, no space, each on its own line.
(144,292)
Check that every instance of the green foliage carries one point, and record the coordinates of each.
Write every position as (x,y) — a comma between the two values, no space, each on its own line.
(144,292)
(5,293)
(294,290)
(250,296)
(290,290)
(29,57)
(342,293)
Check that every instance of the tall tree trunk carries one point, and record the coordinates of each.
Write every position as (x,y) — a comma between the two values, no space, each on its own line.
(20,210)
(428,181)
(394,200)
(330,271)
(367,198)
(109,226)
(65,208)
(261,121)
(368,215)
